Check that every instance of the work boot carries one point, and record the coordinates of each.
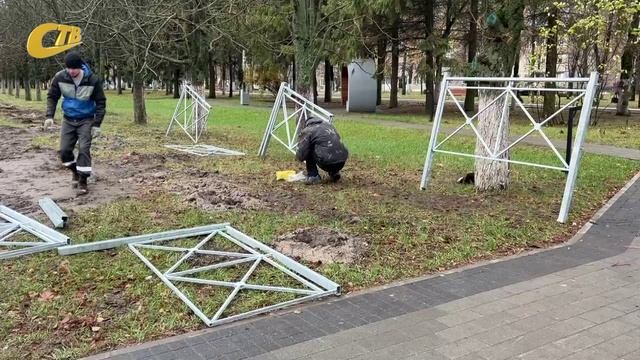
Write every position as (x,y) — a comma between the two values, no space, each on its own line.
(82,184)
(310,180)
(74,179)
(335,177)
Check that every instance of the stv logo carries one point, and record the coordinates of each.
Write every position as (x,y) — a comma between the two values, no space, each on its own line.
(68,38)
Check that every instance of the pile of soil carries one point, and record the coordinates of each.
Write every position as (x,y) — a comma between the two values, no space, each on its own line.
(322,245)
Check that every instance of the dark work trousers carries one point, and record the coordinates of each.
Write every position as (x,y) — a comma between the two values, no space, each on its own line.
(72,133)
(312,167)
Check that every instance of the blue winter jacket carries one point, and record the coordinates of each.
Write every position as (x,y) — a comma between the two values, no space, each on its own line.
(84,101)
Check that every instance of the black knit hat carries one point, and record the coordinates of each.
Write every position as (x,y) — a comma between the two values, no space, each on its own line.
(73,61)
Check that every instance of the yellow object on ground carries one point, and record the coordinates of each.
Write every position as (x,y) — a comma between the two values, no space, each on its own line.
(284,175)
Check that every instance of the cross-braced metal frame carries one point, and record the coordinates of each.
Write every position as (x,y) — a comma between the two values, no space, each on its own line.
(254,253)
(191,113)
(292,123)
(13,223)
(585,91)
(204,150)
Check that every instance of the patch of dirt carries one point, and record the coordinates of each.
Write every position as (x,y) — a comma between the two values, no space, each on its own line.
(322,245)
(211,193)
(21,115)
(29,173)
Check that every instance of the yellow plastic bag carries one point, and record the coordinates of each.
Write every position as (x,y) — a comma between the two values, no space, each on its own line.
(285,174)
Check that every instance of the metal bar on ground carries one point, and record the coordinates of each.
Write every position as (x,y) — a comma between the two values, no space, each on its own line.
(53,212)
(34,227)
(110,244)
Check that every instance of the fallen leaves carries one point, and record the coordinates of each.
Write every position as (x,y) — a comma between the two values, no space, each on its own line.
(47,295)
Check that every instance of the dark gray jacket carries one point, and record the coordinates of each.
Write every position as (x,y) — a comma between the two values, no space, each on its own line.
(321,139)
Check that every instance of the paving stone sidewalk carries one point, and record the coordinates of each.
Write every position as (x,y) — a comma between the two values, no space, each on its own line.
(576,302)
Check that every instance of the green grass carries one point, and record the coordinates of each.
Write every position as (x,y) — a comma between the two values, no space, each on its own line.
(409,232)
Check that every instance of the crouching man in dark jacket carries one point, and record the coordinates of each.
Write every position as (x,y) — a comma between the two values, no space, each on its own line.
(84,108)
(320,145)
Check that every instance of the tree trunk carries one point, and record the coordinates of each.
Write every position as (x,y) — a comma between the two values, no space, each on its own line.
(26,81)
(139,109)
(430,92)
(382,59)
(119,86)
(551,65)
(223,80)
(328,77)
(307,17)
(3,85)
(10,86)
(410,76)
(17,83)
(212,78)
(315,89)
(489,174)
(404,73)
(176,84)
(626,69)
(294,83)
(395,54)
(230,77)
(472,50)
(38,90)
(637,76)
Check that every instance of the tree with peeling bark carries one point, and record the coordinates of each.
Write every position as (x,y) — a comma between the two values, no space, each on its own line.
(503,23)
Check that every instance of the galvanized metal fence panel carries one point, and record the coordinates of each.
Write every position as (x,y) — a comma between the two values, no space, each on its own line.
(585,92)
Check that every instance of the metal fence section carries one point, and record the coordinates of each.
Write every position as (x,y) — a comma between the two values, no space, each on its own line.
(289,125)
(313,285)
(204,150)
(13,225)
(508,87)
(191,113)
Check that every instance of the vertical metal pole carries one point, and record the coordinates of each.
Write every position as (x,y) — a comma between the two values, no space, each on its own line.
(426,172)
(574,165)
(272,118)
(173,118)
(572,114)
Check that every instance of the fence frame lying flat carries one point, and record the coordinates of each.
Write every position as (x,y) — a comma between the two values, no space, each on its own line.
(15,223)
(205,150)
(313,285)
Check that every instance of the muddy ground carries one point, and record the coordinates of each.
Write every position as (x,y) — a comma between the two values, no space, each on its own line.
(29,172)
(322,246)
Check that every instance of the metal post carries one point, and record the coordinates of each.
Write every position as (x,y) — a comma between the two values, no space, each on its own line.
(426,173)
(272,118)
(583,125)
(572,114)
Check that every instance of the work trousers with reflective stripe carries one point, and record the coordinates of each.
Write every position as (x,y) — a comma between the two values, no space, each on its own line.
(72,133)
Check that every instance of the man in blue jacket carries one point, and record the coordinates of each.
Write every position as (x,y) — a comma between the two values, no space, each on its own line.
(83,106)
